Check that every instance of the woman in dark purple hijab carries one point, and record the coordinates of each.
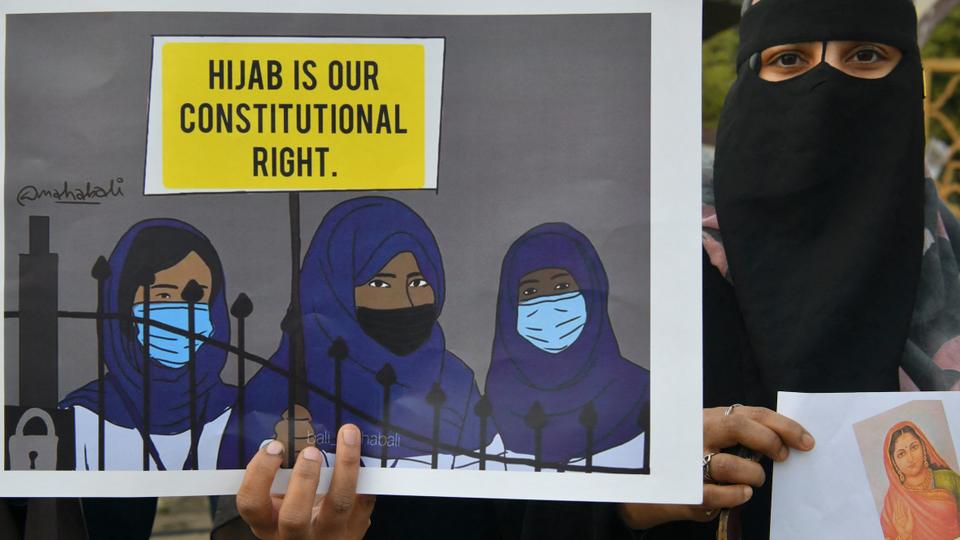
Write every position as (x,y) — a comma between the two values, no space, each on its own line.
(556,363)
(173,253)
(371,290)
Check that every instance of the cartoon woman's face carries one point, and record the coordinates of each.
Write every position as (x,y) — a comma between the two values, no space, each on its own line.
(909,456)
(399,284)
(551,311)
(546,282)
(168,284)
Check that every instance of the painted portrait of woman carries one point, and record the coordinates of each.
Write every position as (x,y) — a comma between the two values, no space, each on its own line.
(923,500)
(555,353)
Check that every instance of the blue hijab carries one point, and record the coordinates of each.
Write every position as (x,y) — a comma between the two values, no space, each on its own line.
(590,371)
(124,358)
(354,241)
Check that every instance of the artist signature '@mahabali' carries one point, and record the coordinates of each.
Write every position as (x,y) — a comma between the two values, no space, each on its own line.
(87,193)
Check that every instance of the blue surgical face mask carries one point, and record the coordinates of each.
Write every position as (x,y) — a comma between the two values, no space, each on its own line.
(173,350)
(552,323)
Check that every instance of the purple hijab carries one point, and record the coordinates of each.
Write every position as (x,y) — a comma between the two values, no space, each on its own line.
(354,241)
(124,358)
(591,371)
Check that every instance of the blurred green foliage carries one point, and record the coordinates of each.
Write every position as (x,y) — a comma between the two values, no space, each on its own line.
(945,41)
(719,54)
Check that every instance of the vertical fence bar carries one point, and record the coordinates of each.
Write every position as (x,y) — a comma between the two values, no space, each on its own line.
(100,272)
(387,377)
(588,419)
(536,419)
(338,351)
(192,294)
(483,409)
(241,309)
(436,398)
(298,368)
(39,301)
(644,423)
(146,280)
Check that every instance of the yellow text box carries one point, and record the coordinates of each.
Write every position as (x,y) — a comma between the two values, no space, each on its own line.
(293,116)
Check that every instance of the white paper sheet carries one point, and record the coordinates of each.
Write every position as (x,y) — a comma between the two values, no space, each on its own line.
(836,490)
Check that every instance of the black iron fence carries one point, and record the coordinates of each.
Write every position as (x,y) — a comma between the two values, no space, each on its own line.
(35,314)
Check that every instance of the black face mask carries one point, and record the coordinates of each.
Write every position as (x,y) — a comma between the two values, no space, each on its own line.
(820,187)
(401,331)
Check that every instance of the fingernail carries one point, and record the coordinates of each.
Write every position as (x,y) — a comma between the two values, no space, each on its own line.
(747,492)
(807,440)
(351,436)
(311,453)
(275,448)
(784,453)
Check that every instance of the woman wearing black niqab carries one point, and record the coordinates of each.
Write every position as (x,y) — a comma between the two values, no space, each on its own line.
(819,195)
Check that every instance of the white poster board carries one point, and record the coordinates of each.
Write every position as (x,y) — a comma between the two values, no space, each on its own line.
(520,114)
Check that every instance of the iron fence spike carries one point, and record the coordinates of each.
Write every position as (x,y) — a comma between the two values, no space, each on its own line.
(242,307)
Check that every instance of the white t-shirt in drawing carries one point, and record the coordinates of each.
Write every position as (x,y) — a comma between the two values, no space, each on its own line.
(124,446)
(627,455)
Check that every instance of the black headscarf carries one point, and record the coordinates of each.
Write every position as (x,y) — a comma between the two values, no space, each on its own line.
(820,196)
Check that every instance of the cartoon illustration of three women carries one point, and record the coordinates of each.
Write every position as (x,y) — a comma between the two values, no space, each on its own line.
(372,288)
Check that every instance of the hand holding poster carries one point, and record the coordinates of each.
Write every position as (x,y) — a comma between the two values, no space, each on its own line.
(523,317)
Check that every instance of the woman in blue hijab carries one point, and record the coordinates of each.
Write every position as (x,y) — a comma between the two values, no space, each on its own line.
(371,290)
(556,363)
(172,253)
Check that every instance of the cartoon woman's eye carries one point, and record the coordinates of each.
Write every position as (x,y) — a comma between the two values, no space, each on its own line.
(418,282)
(529,292)
(561,286)
(379,284)
(164,296)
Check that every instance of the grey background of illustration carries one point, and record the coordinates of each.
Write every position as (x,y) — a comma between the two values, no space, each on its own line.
(545,118)
(928,415)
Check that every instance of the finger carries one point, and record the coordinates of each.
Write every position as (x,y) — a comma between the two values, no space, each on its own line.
(790,431)
(253,499)
(360,517)
(296,512)
(730,469)
(338,503)
(740,429)
(715,496)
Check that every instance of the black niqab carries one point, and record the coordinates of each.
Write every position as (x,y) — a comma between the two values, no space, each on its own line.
(820,183)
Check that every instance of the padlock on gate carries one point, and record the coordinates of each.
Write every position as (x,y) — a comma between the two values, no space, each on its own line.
(28,452)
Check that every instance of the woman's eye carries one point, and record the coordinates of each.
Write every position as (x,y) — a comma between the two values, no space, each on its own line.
(379,284)
(867,56)
(419,282)
(561,286)
(164,296)
(529,292)
(788,60)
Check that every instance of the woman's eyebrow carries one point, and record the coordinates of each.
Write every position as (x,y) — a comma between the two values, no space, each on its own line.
(524,282)
(384,274)
(414,274)
(164,286)
(561,274)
